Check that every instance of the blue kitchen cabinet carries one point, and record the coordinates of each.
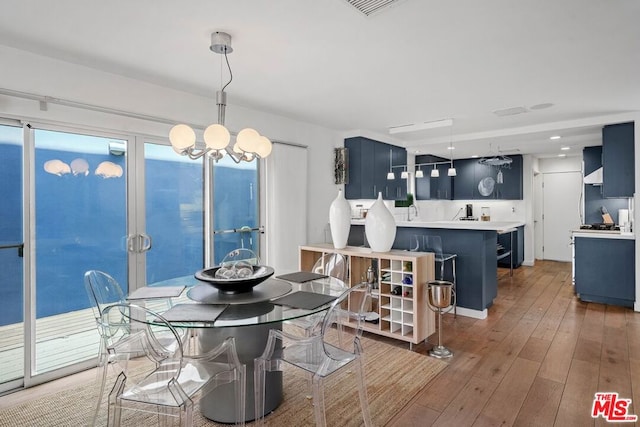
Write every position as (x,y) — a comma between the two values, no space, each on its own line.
(353,189)
(423,186)
(369,162)
(398,187)
(513,242)
(618,160)
(470,173)
(511,188)
(464,183)
(441,187)
(605,270)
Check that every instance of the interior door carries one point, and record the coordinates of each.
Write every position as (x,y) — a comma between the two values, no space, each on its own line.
(561,213)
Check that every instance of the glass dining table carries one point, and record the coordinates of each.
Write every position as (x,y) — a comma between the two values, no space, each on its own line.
(248,317)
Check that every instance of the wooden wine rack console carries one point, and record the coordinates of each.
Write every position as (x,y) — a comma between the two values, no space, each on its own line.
(400,292)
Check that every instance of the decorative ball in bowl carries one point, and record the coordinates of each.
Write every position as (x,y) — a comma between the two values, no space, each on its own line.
(243,279)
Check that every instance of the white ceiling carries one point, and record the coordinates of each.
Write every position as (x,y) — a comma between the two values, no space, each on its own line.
(324,62)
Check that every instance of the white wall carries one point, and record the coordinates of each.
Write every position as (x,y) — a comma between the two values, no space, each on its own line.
(26,72)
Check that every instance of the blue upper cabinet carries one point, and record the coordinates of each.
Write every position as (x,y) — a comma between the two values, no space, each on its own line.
(369,163)
(441,186)
(397,189)
(618,160)
(475,181)
(428,188)
(464,183)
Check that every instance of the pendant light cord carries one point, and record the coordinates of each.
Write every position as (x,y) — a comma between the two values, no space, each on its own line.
(229,67)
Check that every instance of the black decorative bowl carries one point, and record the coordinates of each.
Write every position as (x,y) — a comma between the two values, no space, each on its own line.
(235,286)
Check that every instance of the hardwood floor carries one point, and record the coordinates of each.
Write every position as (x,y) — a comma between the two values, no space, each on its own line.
(537,360)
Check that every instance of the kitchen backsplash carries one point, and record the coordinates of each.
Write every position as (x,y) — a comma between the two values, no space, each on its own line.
(446,210)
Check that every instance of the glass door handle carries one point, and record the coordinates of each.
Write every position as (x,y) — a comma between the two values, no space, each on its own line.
(138,242)
(131,242)
(18,246)
(145,242)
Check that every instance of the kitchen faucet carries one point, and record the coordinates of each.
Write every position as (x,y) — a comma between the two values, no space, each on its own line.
(409,212)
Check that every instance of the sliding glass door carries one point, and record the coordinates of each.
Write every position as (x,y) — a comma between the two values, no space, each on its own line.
(121,204)
(236,208)
(79,214)
(174,206)
(12,349)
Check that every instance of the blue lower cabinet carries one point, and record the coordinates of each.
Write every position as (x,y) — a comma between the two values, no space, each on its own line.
(476,262)
(605,270)
(516,246)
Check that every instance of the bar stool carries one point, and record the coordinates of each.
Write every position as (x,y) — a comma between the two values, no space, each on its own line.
(434,244)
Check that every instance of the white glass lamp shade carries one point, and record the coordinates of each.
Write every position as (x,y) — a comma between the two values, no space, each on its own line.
(248,140)
(391,176)
(419,173)
(216,137)
(182,137)
(435,173)
(500,177)
(56,167)
(265,147)
(236,148)
(404,175)
(451,172)
(109,170)
(80,167)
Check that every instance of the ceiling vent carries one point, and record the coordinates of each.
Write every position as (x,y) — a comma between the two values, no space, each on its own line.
(510,111)
(369,7)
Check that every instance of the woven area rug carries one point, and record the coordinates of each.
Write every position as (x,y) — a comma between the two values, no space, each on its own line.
(394,376)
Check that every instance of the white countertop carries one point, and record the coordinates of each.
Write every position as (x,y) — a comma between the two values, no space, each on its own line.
(603,234)
(458,225)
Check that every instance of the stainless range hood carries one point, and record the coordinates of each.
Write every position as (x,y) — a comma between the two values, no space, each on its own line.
(594,178)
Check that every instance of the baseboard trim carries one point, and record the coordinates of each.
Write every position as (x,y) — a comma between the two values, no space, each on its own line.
(475,314)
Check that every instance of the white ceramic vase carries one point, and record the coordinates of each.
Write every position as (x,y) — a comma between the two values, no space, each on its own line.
(380,226)
(340,220)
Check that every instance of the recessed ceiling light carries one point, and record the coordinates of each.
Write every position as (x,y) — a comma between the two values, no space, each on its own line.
(451,147)
(562,155)
(475,156)
(555,137)
(565,148)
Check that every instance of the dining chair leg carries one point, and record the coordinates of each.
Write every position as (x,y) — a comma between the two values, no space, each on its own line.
(101,378)
(241,391)
(362,392)
(318,401)
(258,390)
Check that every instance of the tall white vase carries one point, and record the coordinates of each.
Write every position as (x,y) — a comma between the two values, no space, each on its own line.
(380,226)
(340,220)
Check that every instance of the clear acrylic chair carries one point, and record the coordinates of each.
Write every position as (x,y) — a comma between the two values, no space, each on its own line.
(434,244)
(321,355)
(332,265)
(168,387)
(103,291)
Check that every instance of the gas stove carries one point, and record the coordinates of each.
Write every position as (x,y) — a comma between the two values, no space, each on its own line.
(599,226)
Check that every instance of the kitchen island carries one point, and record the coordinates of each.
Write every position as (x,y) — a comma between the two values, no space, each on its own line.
(474,242)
